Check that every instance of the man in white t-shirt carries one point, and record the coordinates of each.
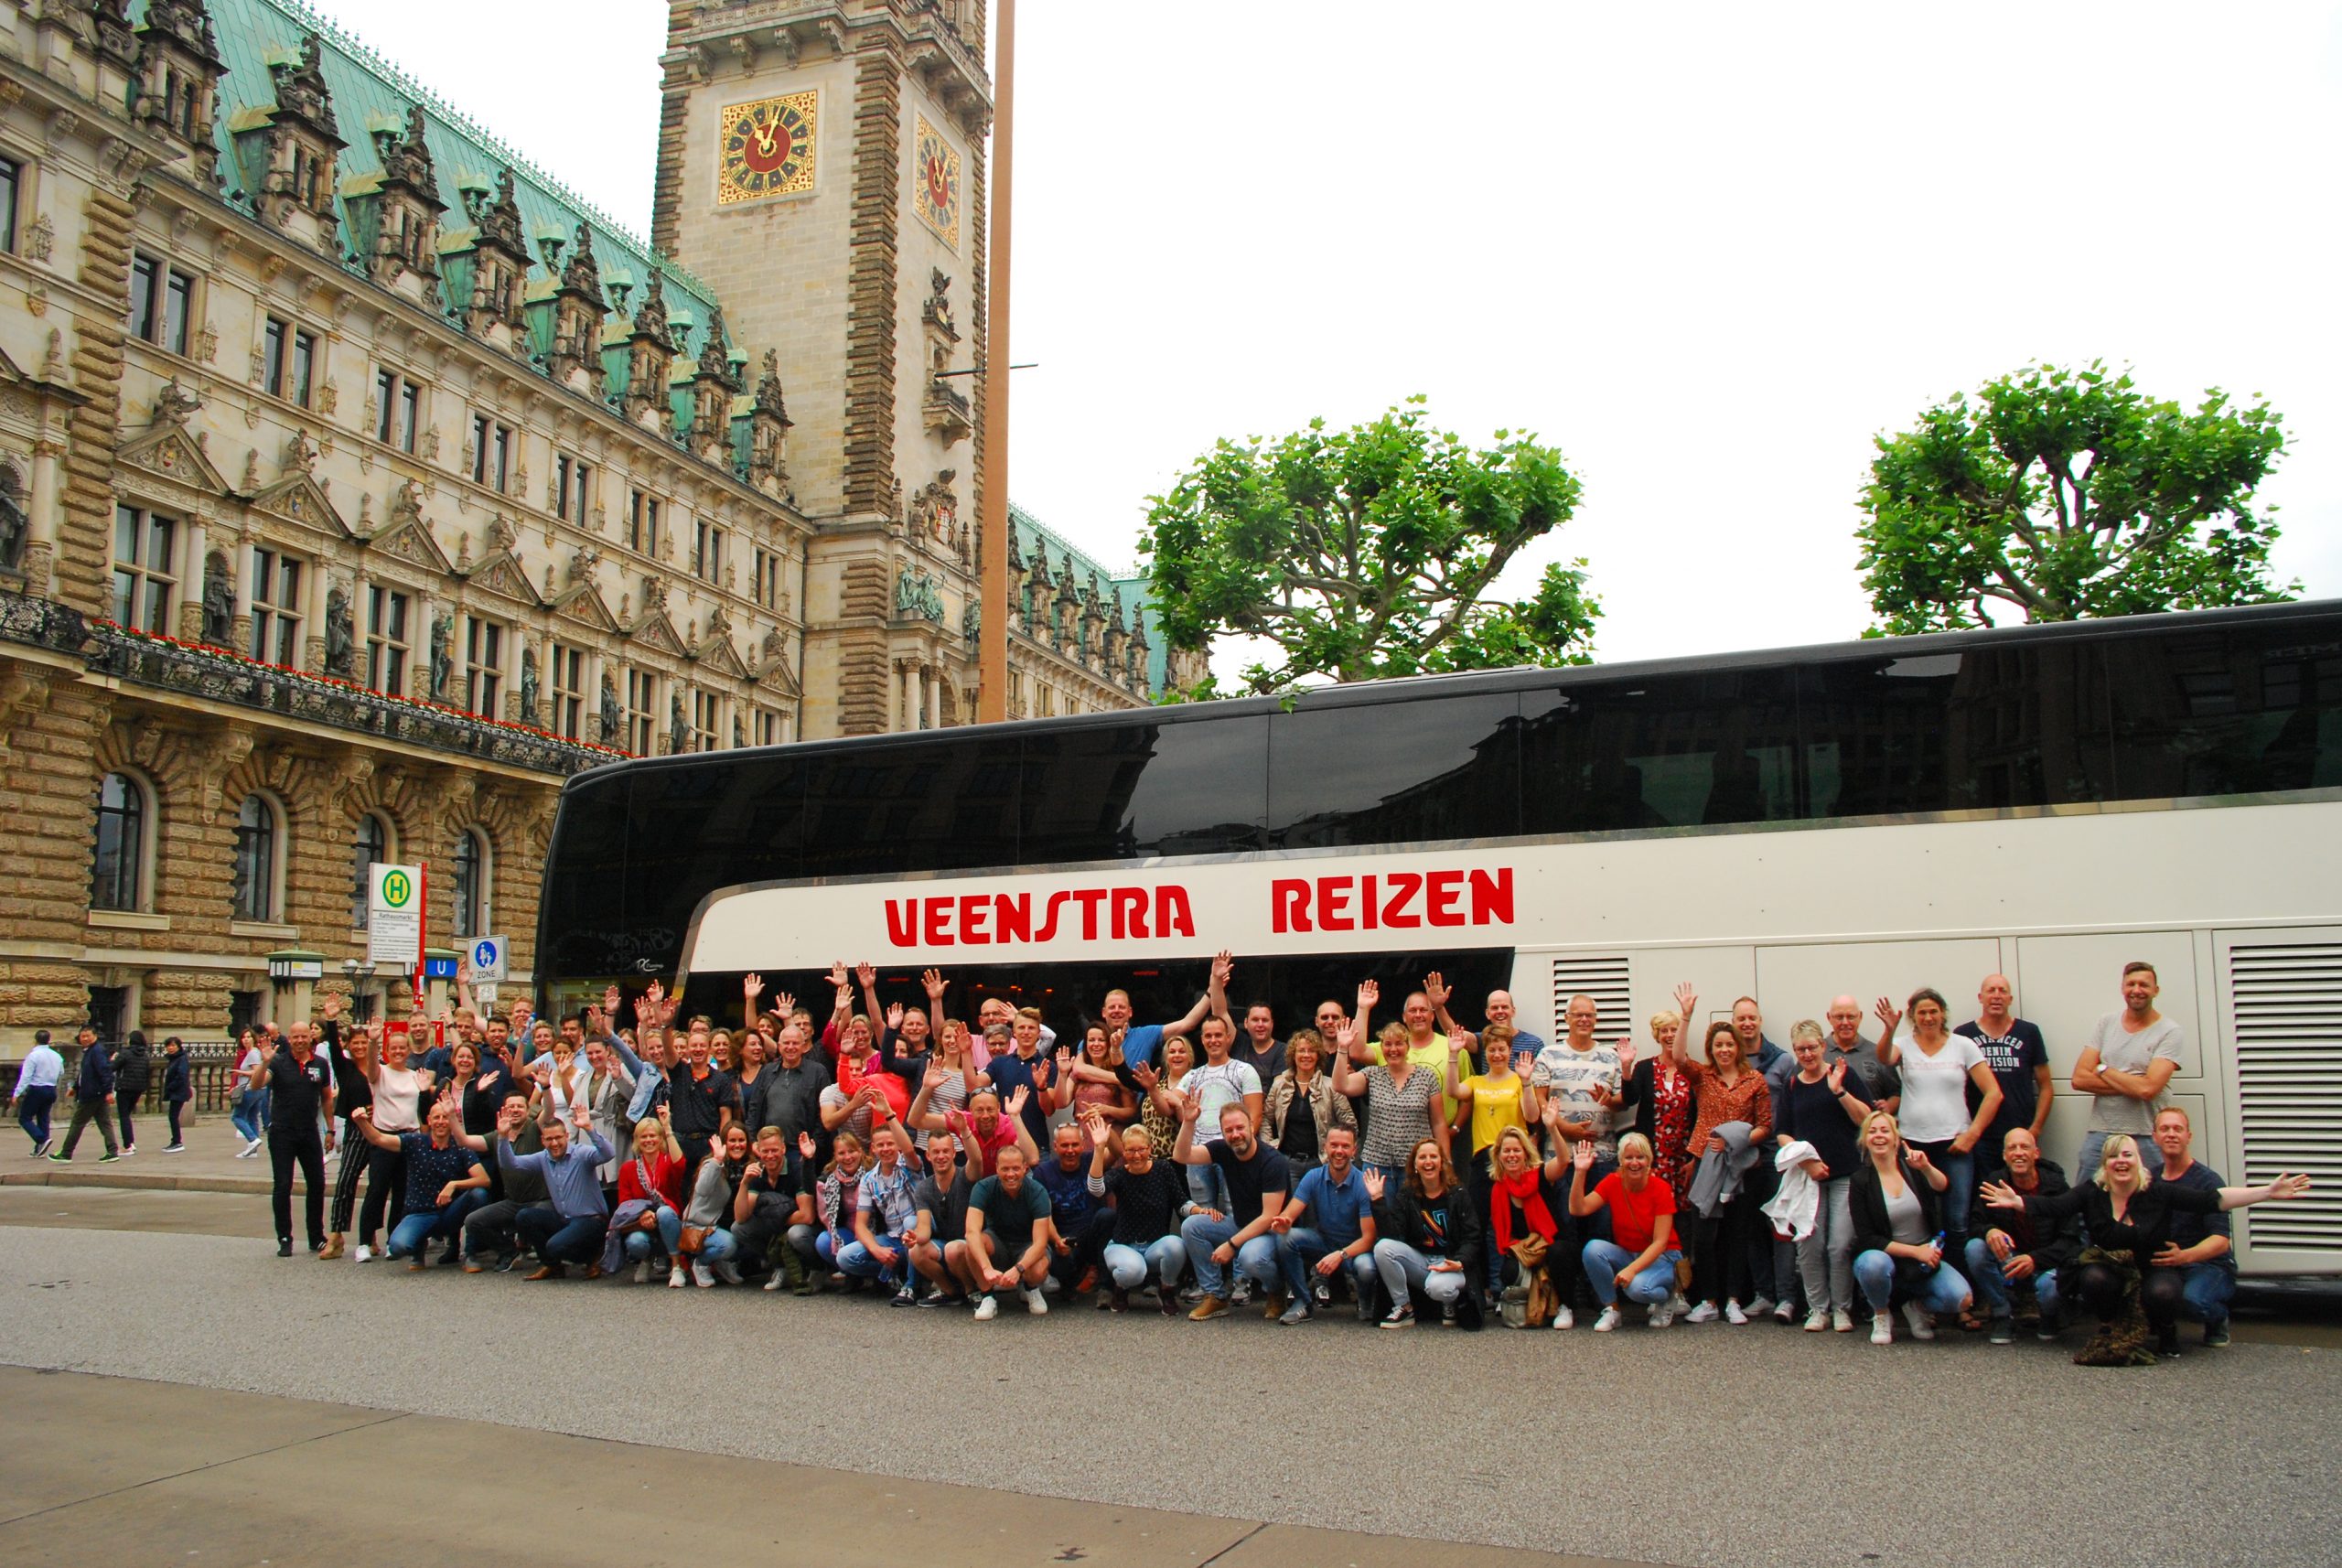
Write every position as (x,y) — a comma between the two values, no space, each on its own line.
(1217,1082)
(2131,1056)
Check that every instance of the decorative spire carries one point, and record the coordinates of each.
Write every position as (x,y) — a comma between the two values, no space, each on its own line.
(716,354)
(406,160)
(651,316)
(769,399)
(582,276)
(301,88)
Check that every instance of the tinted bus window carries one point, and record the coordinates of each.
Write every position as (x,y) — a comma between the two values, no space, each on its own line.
(1350,773)
(1197,787)
(582,920)
(1661,751)
(2227,712)
(1873,735)
(691,830)
(920,805)
(2027,726)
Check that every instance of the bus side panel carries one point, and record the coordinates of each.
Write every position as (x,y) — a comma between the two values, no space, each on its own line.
(1800,980)
(2279,1027)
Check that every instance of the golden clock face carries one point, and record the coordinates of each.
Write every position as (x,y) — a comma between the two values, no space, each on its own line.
(935,183)
(766,148)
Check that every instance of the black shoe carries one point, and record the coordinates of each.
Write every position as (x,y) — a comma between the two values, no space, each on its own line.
(935,1298)
(284,1246)
(905,1297)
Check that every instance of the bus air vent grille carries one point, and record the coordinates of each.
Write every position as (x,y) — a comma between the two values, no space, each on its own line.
(2288,1022)
(1602,976)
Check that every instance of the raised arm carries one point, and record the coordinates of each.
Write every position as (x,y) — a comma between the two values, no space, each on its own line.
(363,1120)
(1357,1042)
(1890,1050)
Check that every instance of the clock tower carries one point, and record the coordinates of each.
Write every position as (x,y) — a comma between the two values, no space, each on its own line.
(821,166)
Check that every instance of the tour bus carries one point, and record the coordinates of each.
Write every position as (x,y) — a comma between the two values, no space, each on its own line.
(2049,802)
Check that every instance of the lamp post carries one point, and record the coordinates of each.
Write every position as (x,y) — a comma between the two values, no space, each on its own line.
(992,553)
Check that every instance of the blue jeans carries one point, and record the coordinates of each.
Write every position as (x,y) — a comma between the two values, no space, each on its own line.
(1651,1287)
(1945,1289)
(1166,1259)
(2208,1291)
(1256,1260)
(640,1248)
(409,1235)
(559,1240)
(1994,1288)
(719,1247)
(1207,1188)
(246,1115)
(1959,1192)
(862,1263)
(32,1112)
(1299,1252)
(1404,1269)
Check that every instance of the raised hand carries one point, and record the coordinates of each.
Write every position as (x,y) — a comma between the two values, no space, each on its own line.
(1016,1098)
(932,981)
(805,1145)
(1064,1060)
(714,1144)
(1836,1077)
(936,1076)
(752,987)
(363,1113)
(867,973)
(1687,1003)
(1625,1055)
(1146,1075)
(784,1003)
(1435,989)
(2285,1188)
(611,997)
(1190,1107)
(1889,1015)
(894,1016)
(1370,991)
(1582,1155)
(1374,1185)
(1094,1124)
(1999,1194)
(330,1008)
(838,976)
(1223,967)
(1915,1156)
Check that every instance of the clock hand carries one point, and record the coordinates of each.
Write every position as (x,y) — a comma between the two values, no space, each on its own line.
(766,135)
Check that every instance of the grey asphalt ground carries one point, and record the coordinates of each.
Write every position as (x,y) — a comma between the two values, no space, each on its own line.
(1694,1446)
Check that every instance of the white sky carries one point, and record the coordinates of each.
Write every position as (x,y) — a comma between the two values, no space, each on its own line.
(1707,249)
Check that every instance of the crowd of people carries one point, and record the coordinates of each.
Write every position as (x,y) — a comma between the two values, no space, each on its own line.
(1409,1170)
(110,1084)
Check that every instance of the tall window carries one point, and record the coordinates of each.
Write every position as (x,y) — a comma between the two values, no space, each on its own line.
(568,685)
(289,357)
(767,586)
(256,884)
(471,885)
(117,869)
(143,569)
(707,721)
(12,179)
(642,522)
(768,728)
(573,489)
(276,609)
(369,848)
(162,298)
(398,405)
(642,711)
(386,641)
(491,452)
(707,551)
(483,665)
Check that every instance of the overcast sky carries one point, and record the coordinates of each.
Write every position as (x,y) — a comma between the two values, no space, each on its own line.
(1708,251)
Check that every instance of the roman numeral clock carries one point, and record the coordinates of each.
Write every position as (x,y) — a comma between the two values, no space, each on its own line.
(767,148)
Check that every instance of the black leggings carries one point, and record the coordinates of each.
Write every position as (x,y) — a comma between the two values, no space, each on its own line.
(123,1106)
(385,1184)
(2099,1288)
(1720,1261)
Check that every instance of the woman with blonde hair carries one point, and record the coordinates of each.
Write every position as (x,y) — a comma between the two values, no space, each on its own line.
(1823,1107)
(1659,1104)
(1899,1232)
(1302,1107)
(2128,1211)
(1640,1259)
(1403,1101)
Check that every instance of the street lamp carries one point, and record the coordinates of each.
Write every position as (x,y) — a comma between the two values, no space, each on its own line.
(361,998)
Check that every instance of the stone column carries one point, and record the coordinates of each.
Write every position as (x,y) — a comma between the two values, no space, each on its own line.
(241,631)
(934,677)
(41,505)
(313,615)
(191,577)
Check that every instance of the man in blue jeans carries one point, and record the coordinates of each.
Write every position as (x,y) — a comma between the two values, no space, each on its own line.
(1257,1179)
(35,1092)
(445,1181)
(2019,1255)
(573,1229)
(1328,1226)
(2202,1244)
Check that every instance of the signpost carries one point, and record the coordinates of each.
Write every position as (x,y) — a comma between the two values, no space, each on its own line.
(488,959)
(394,918)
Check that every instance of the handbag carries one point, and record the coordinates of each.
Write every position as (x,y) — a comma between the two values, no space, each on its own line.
(693,1240)
(1539,1301)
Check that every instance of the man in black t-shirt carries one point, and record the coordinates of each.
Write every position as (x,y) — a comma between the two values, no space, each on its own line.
(300,1086)
(702,1101)
(1258,1181)
(939,1238)
(2019,1059)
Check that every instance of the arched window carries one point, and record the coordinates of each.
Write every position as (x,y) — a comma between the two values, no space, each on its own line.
(118,867)
(471,884)
(254,889)
(369,848)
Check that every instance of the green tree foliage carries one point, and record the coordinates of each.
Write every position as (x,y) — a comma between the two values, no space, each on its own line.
(2068,494)
(1367,551)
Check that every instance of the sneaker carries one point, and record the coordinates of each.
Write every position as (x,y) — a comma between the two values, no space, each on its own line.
(108,1157)
(2004,1331)
(1402,1317)
(1842,1321)
(1212,1306)
(1565,1318)
(1321,1293)
(728,1273)
(1661,1316)
(174,1148)
(677,1277)
(2215,1335)
(1191,1293)
(1244,1297)
(475,1265)
(284,1247)
(1734,1315)
(987,1309)
(702,1276)
(1676,1305)
(1760,1306)
(1447,1314)
(250,1150)
(1036,1302)
(1704,1313)
(1606,1322)
(1923,1325)
(936,1296)
(2167,1345)
(642,1273)
(905,1297)
(130,1148)
(2048,1328)
(1785,1312)
(773,1281)
(1882,1329)
(1815,1322)
(1297,1313)
(1113,1298)
(364,1254)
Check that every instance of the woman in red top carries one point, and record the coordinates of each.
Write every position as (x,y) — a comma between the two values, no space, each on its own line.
(653,1180)
(1640,1260)
(1517,1208)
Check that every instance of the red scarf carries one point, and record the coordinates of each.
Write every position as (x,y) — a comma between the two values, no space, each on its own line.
(1524,1189)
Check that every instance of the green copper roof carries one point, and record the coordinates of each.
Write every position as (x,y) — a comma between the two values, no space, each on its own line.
(1030,532)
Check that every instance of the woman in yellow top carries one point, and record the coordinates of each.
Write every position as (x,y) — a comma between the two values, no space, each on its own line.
(1497,1099)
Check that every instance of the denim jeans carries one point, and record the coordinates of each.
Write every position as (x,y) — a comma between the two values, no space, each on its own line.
(1994,1288)
(1404,1269)
(860,1262)
(1651,1286)
(559,1240)
(1299,1252)
(642,1248)
(418,1226)
(1207,1188)
(32,1112)
(1959,1193)
(1256,1260)
(1945,1289)
(2208,1291)
(1826,1257)
(719,1247)
(1166,1259)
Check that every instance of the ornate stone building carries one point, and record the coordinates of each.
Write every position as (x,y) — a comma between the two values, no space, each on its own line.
(359,483)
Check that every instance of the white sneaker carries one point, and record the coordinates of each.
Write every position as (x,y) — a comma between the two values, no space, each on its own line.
(1607,1321)
(1922,1322)
(1564,1319)
(987,1309)
(1035,1302)
(1842,1321)
(1676,1305)
(1815,1322)
(1882,1329)
(727,1273)
(364,1254)
(1785,1312)
(642,1273)
(1660,1316)
(772,1280)
(1760,1306)
(1734,1315)
(702,1277)
(1704,1313)
(675,1277)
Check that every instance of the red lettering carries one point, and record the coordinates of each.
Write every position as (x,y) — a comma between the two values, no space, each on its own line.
(939,921)
(1443,890)
(1048,932)
(1089,898)
(1396,913)
(1288,905)
(902,921)
(1012,914)
(1130,912)
(1492,896)
(1367,909)
(974,909)
(1334,904)
(1173,917)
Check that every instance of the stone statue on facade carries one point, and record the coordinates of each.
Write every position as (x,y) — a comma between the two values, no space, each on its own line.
(611,717)
(679,729)
(528,685)
(443,658)
(341,640)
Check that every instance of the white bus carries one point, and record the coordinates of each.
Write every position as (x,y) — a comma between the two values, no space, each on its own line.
(2048,803)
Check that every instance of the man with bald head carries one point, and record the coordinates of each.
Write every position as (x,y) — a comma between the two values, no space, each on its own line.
(2019,1059)
(1498,1010)
(1844,1042)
